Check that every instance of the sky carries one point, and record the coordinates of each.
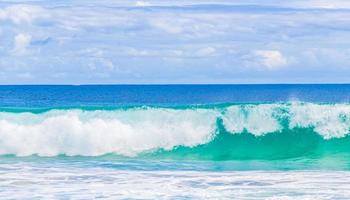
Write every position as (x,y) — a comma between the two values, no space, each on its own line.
(170,42)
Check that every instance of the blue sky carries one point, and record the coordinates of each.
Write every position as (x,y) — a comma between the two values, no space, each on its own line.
(194,41)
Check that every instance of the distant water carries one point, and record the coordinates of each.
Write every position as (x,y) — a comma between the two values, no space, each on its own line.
(282,141)
(122,95)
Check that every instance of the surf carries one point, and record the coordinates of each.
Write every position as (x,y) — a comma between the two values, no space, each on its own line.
(206,132)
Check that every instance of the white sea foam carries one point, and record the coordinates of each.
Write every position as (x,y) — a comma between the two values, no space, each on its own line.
(255,119)
(328,120)
(94,133)
(71,181)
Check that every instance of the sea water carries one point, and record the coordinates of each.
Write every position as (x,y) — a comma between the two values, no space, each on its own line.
(175,142)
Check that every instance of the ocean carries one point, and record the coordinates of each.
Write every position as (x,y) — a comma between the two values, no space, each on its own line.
(175,142)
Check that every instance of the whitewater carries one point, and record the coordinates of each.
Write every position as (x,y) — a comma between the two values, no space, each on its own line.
(74,182)
(136,131)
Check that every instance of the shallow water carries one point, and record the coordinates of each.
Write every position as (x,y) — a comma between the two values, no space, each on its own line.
(23,180)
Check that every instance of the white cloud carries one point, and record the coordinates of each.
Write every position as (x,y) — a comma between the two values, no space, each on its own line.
(213,39)
(142,3)
(108,64)
(22,13)
(334,4)
(153,53)
(25,75)
(21,43)
(167,24)
(206,51)
(271,59)
(139,52)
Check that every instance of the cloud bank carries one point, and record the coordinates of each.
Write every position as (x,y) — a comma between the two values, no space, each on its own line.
(201,41)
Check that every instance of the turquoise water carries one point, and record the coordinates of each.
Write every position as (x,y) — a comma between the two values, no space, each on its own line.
(224,132)
(227,138)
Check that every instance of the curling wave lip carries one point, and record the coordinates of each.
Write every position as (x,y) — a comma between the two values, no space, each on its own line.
(139,131)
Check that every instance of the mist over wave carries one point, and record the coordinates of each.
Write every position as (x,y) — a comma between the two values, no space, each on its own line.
(233,129)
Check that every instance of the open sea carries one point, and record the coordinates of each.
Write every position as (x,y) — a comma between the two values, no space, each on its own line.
(175,142)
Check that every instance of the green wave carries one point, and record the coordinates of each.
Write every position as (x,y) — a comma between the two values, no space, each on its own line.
(298,143)
(222,132)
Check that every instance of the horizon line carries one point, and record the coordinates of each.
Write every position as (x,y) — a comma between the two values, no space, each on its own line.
(169,84)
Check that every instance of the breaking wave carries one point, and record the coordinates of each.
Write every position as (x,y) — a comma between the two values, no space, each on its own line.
(216,132)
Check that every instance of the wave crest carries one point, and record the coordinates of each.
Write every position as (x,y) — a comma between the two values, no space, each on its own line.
(125,132)
(132,131)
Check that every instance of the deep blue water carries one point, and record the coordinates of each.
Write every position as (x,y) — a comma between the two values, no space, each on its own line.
(120,95)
